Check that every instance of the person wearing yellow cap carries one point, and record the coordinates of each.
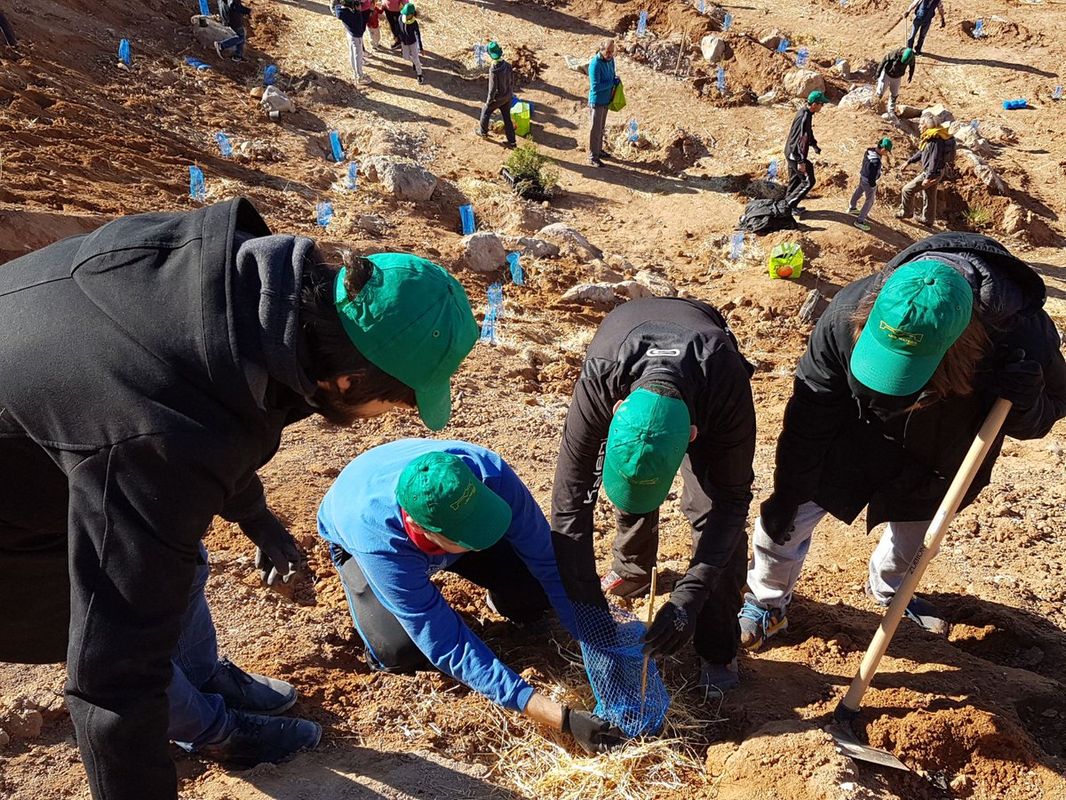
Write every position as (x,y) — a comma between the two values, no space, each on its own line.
(147,371)
(414,507)
(664,389)
(898,377)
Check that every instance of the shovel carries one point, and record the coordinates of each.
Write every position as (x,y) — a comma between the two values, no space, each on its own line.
(848,707)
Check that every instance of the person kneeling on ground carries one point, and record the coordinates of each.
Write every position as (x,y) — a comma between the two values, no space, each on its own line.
(869,174)
(501,90)
(898,377)
(233,13)
(663,388)
(410,508)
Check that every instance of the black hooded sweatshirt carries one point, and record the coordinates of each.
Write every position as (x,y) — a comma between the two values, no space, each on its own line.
(156,362)
(843,448)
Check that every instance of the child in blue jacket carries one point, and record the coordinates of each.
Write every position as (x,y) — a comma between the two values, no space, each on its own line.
(410,508)
(869,174)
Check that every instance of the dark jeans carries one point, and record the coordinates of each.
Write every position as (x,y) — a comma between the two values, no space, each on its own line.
(636,546)
(394,25)
(516,594)
(5,28)
(504,107)
(799,183)
(235,42)
(919,28)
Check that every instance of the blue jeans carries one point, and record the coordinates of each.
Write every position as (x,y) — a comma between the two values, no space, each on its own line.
(236,42)
(195,718)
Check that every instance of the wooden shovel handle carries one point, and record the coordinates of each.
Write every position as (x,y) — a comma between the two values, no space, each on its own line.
(933,537)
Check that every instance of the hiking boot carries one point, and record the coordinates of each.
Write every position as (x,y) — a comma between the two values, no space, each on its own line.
(533,624)
(862,226)
(757,624)
(626,588)
(919,611)
(364,80)
(481,134)
(595,161)
(719,677)
(510,145)
(853,211)
(243,691)
(421,80)
(902,215)
(253,739)
(799,210)
(237,59)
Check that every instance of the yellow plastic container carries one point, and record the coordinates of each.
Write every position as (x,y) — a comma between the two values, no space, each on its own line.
(786,261)
(520,117)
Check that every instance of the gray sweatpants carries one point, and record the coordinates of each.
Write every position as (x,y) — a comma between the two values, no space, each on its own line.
(927,213)
(892,84)
(598,116)
(776,567)
(871,192)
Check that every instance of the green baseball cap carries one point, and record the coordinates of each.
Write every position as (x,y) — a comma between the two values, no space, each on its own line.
(907,55)
(412,320)
(646,442)
(817,97)
(408,10)
(495,51)
(921,310)
(885,144)
(441,494)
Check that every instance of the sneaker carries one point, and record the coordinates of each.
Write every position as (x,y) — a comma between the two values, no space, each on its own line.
(243,691)
(533,624)
(757,624)
(480,133)
(421,80)
(799,210)
(253,739)
(853,211)
(919,611)
(862,226)
(595,161)
(626,588)
(902,215)
(365,79)
(218,49)
(237,59)
(510,145)
(719,677)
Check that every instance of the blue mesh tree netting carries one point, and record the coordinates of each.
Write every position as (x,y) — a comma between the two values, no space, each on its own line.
(611,642)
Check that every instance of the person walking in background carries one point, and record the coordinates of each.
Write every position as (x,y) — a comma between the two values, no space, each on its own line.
(8,31)
(373,24)
(234,14)
(392,16)
(411,38)
(923,11)
(936,151)
(354,16)
(501,90)
(898,376)
(869,174)
(602,81)
(890,73)
(797,149)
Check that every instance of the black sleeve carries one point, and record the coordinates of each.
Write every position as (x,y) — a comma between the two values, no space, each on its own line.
(137,513)
(913,159)
(1044,347)
(578,475)
(910,69)
(247,502)
(821,402)
(809,125)
(721,459)
(493,85)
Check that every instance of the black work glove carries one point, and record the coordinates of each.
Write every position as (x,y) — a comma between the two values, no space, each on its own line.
(671,629)
(595,735)
(276,556)
(817,149)
(778,518)
(1021,381)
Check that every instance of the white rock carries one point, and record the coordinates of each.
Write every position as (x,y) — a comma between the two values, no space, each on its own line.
(1015,219)
(374,224)
(713,48)
(537,248)
(655,284)
(939,114)
(801,82)
(275,100)
(633,290)
(591,293)
(767,99)
(771,40)
(404,178)
(842,67)
(483,252)
(570,239)
(985,173)
(859,97)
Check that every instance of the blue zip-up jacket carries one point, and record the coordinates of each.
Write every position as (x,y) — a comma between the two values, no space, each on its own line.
(871,167)
(601,80)
(360,514)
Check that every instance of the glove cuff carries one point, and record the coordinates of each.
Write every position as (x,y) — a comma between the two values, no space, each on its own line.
(566,719)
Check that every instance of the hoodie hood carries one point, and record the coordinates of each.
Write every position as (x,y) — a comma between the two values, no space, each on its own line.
(268,279)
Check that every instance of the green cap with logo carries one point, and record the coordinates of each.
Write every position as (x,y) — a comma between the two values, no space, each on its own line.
(495,51)
(412,320)
(920,311)
(817,97)
(646,443)
(440,493)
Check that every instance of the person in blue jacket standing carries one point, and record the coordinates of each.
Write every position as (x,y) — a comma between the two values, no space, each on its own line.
(405,510)
(923,17)
(602,81)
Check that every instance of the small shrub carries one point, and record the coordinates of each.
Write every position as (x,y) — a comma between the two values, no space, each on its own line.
(978,217)
(531,171)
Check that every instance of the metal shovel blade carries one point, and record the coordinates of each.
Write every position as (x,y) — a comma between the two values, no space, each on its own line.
(850,746)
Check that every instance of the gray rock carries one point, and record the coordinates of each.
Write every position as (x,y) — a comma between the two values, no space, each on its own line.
(570,240)
(404,178)
(634,290)
(985,173)
(207,34)
(713,49)
(768,99)
(484,252)
(801,82)
(374,224)
(656,284)
(859,97)
(939,114)
(532,246)
(597,294)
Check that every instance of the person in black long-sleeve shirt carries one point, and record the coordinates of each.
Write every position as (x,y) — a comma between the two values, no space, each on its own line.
(147,371)
(663,387)
(233,13)
(501,90)
(797,148)
(890,72)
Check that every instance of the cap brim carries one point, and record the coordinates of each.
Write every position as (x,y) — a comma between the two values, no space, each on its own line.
(630,498)
(486,522)
(889,372)
(435,405)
